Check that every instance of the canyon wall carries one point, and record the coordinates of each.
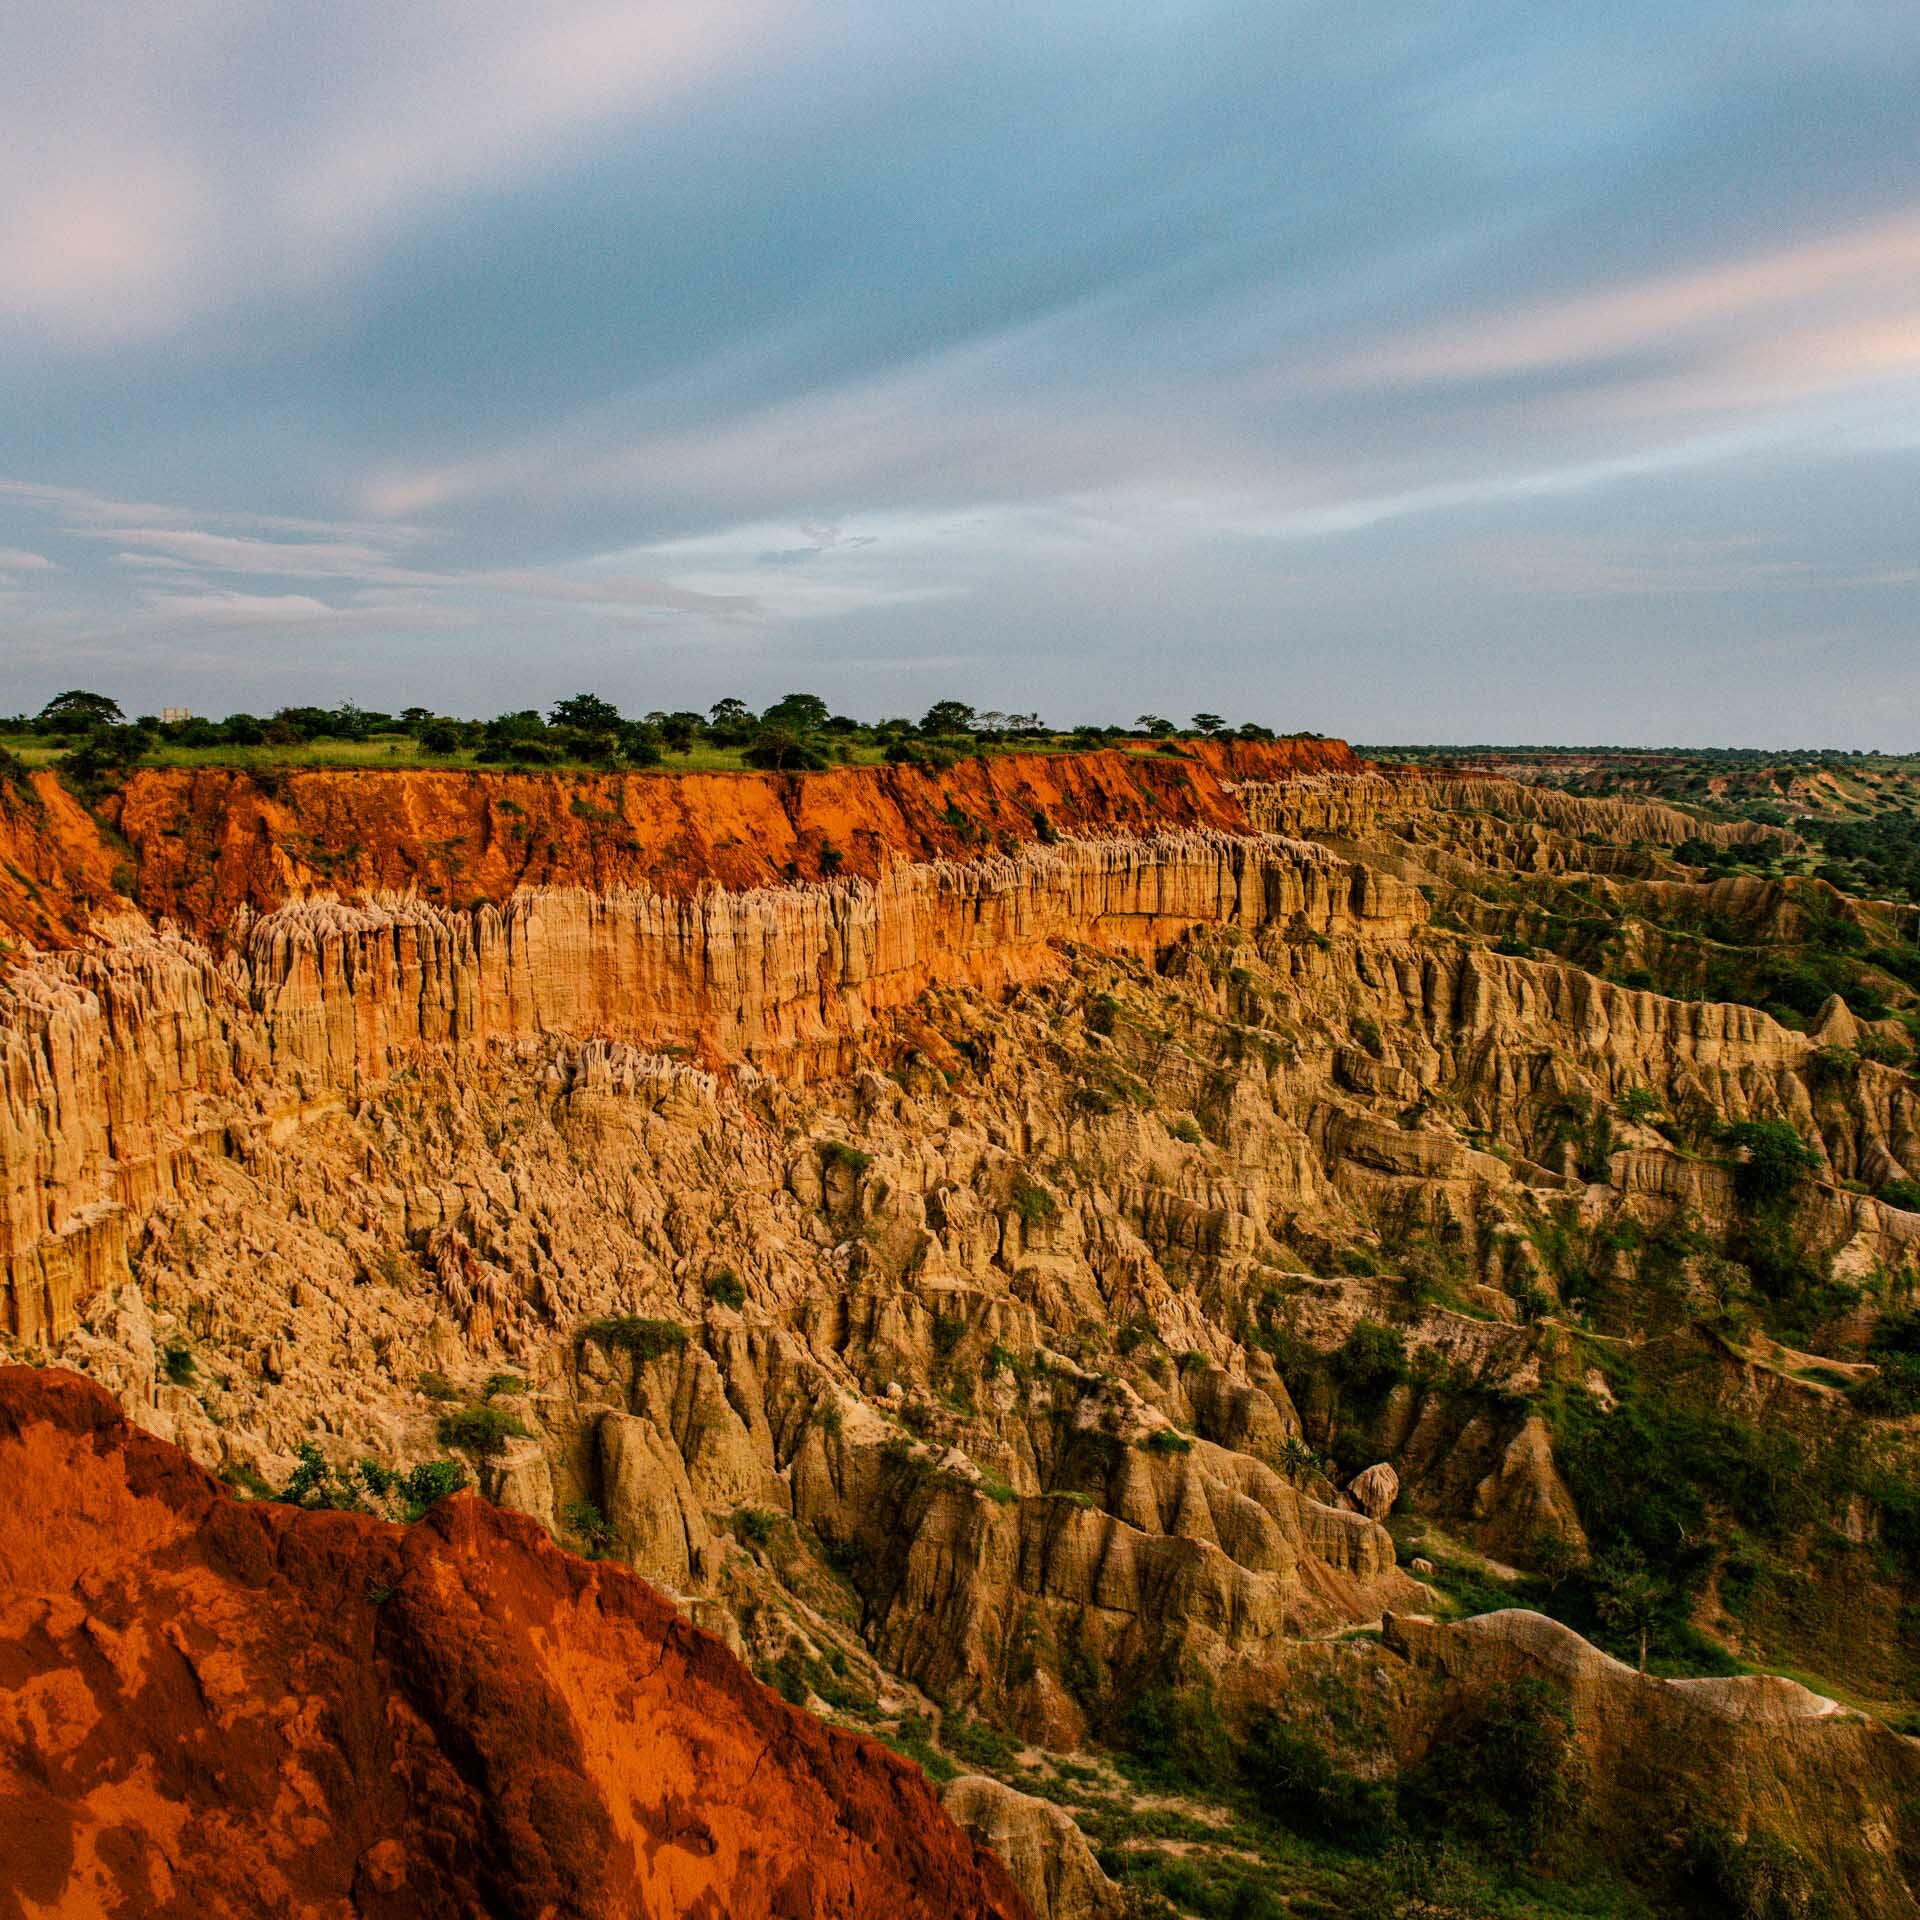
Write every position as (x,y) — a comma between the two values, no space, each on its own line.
(120,1056)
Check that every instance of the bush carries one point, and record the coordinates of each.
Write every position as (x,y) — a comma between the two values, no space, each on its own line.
(1758,1878)
(1372,1360)
(836,1153)
(1509,1773)
(725,1290)
(753,1525)
(480,1431)
(1177,1739)
(1033,1203)
(428,1484)
(646,1340)
(589,1526)
(1296,1782)
(1775,1162)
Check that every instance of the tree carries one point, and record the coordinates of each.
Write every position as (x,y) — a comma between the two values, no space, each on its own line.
(731,713)
(797,713)
(78,709)
(948,716)
(1628,1595)
(1152,724)
(438,736)
(1208,723)
(588,713)
(781,750)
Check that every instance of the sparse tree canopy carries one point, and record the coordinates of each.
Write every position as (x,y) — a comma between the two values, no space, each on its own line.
(588,712)
(797,713)
(78,708)
(1208,723)
(948,716)
(1152,723)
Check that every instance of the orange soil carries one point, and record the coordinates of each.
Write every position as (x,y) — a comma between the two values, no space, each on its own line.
(212,1708)
(195,845)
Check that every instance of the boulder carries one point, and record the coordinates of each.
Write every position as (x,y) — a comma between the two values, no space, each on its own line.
(1044,1851)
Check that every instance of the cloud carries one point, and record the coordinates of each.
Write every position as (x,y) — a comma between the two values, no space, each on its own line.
(1064,348)
(19,560)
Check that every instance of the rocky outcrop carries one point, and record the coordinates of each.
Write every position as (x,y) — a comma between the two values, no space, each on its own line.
(1044,1851)
(1750,1755)
(216,1709)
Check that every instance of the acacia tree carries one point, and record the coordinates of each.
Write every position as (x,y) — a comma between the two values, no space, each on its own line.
(76,709)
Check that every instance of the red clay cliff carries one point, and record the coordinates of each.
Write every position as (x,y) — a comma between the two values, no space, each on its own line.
(214,1708)
(195,845)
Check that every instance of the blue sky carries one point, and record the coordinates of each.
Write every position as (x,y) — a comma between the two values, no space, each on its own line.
(1483,372)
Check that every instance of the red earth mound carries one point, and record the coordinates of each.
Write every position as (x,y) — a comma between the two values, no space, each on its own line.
(212,1708)
(194,845)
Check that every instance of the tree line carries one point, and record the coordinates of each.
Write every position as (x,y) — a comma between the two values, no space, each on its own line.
(799,731)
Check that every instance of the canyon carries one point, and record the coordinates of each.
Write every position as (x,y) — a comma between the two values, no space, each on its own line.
(1064,1264)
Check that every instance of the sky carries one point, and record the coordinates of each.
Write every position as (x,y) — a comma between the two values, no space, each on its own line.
(1478,373)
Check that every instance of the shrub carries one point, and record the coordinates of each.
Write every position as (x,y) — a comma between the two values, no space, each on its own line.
(1296,1782)
(646,1340)
(1367,1031)
(1033,1203)
(436,1386)
(1509,1773)
(1168,1440)
(589,1526)
(725,1290)
(1177,1739)
(481,1431)
(499,1383)
(1775,1162)
(836,1153)
(753,1525)
(1758,1878)
(428,1484)
(1372,1360)
(177,1358)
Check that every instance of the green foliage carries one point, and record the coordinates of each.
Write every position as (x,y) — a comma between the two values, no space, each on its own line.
(428,1484)
(837,1154)
(1372,1360)
(725,1289)
(978,1744)
(1639,1103)
(177,1359)
(481,1431)
(499,1383)
(1775,1161)
(314,1484)
(1759,1877)
(753,1526)
(1177,1739)
(646,1340)
(1507,1775)
(436,1386)
(1033,1203)
(1167,1440)
(589,1526)
(949,1329)
(1367,1031)
(1295,1782)
(1894,1347)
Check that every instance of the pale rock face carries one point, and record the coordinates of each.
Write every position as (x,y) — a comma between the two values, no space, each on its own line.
(1375,1490)
(1049,1859)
